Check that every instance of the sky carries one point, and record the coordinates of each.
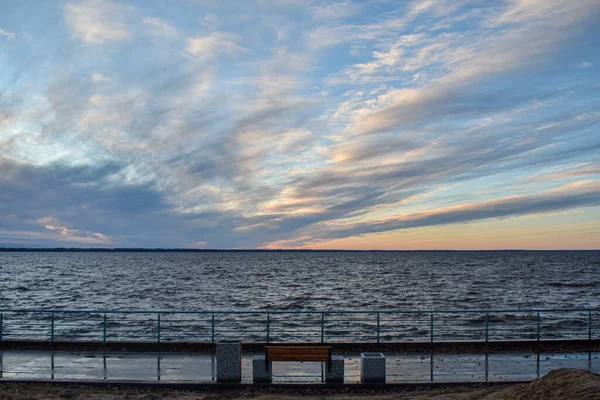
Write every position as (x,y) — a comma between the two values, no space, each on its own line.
(376,124)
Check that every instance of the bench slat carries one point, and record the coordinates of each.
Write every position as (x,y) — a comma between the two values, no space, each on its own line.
(298,357)
(313,350)
(298,353)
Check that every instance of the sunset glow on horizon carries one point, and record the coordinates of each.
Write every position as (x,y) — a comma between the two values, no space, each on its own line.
(297,124)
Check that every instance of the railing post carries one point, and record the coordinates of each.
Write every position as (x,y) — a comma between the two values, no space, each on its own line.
(158,328)
(431,315)
(104,330)
(589,326)
(52,328)
(268,328)
(538,326)
(213,329)
(378,327)
(487,330)
(1,326)
(322,327)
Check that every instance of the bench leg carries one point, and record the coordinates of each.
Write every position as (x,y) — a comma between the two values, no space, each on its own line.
(336,372)
(259,370)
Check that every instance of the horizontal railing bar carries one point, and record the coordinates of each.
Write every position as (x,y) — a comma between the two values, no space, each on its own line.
(167,337)
(78,338)
(181,321)
(185,328)
(8,331)
(303,311)
(44,335)
(149,337)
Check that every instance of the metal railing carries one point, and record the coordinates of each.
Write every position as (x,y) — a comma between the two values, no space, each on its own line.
(299,326)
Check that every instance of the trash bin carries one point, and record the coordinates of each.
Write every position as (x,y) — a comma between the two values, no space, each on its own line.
(229,360)
(372,367)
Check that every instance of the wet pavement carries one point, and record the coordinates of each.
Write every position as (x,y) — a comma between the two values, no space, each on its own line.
(190,367)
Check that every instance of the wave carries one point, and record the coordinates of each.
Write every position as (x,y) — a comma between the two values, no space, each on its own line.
(572,284)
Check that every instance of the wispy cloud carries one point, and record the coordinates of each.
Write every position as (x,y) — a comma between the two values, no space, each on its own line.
(471,62)
(96,77)
(210,46)
(572,173)
(243,124)
(97,21)
(159,28)
(579,194)
(6,34)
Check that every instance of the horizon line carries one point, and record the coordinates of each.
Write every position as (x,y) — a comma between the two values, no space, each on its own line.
(176,249)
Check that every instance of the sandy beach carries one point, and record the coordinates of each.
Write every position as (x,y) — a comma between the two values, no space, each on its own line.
(560,384)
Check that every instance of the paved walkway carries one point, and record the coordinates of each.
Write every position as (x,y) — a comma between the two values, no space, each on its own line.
(187,367)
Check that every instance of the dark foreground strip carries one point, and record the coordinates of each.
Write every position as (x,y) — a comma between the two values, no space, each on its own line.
(284,387)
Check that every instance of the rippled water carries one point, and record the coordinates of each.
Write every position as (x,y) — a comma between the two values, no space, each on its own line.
(302,281)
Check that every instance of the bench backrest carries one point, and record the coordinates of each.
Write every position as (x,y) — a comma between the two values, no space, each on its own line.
(298,353)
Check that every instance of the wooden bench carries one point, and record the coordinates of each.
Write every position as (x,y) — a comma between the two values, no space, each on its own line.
(298,353)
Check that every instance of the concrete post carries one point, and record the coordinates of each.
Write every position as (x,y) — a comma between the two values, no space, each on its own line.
(336,372)
(229,361)
(259,370)
(372,367)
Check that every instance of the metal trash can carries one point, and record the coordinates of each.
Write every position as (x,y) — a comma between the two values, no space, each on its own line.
(372,367)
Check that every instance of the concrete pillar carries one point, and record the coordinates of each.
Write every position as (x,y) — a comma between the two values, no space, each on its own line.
(336,374)
(372,367)
(229,361)
(259,370)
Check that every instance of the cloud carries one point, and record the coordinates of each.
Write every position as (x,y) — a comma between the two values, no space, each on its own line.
(570,174)
(213,45)
(531,11)
(9,35)
(579,194)
(97,21)
(70,235)
(159,28)
(334,11)
(84,206)
(470,63)
(339,191)
(96,77)
(196,245)
(219,131)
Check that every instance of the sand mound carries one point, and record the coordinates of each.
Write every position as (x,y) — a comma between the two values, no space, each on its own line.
(560,384)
